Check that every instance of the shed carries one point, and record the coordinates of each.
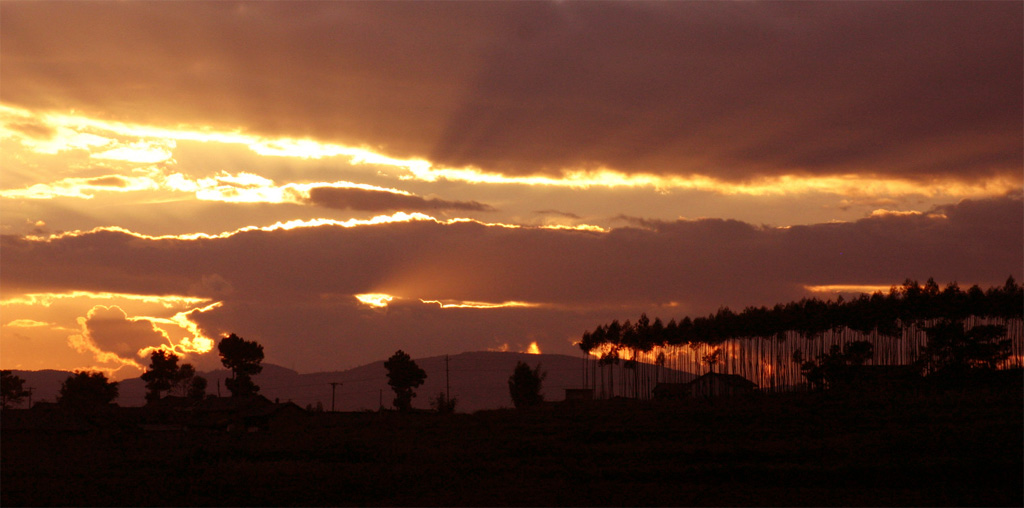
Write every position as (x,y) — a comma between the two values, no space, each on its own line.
(671,391)
(714,384)
(711,384)
(579,394)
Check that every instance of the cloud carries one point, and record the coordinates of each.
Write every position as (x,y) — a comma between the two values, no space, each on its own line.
(112,337)
(115,338)
(371,200)
(33,129)
(293,289)
(557,213)
(27,323)
(734,91)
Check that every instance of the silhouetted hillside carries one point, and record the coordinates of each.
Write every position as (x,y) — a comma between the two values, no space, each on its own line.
(479,380)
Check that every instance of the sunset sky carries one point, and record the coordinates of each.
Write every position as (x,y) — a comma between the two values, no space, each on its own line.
(338,180)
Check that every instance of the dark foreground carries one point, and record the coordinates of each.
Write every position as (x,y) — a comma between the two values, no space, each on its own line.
(959,448)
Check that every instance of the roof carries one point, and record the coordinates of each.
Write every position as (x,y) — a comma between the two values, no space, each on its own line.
(734,380)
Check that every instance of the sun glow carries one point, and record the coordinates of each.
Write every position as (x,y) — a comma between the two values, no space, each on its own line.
(534,349)
(375,300)
(113,331)
(47,299)
(71,131)
(289,225)
(847,185)
(848,288)
(148,144)
(397,217)
(457,304)
(26,323)
(83,188)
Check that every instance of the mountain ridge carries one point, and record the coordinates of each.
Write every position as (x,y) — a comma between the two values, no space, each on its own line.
(477,379)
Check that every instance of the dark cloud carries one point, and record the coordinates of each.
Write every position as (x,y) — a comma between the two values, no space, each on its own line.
(568,215)
(110,330)
(379,201)
(639,222)
(733,90)
(107,181)
(292,289)
(36,130)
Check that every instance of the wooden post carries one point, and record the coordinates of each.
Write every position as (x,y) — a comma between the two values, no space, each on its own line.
(333,386)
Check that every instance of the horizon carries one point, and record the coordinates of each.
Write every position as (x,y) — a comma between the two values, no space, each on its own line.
(337,181)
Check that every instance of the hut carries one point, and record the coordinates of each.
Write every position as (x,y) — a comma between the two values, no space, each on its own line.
(711,384)
(579,394)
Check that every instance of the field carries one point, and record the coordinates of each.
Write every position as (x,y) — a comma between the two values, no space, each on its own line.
(953,448)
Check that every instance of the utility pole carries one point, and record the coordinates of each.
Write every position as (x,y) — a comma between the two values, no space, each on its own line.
(30,390)
(333,386)
(447,385)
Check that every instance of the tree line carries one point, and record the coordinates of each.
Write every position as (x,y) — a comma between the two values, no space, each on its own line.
(524,385)
(88,391)
(771,346)
(85,391)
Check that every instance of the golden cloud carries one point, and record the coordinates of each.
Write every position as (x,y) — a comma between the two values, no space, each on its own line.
(156,144)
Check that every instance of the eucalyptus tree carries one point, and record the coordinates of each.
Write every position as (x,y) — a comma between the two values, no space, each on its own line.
(757,341)
(953,348)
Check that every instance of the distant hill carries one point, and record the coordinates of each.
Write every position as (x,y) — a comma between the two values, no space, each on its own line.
(479,380)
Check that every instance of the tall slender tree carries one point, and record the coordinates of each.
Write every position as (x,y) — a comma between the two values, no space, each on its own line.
(757,341)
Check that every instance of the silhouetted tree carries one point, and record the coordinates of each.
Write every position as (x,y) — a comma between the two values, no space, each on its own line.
(182,379)
(87,391)
(12,389)
(162,372)
(442,404)
(243,357)
(524,385)
(712,358)
(187,384)
(196,388)
(952,348)
(895,323)
(832,368)
(403,376)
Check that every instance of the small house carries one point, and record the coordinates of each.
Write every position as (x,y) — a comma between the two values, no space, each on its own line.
(714,384)
(251,414)
(711,384)
(579,394)
(671,391)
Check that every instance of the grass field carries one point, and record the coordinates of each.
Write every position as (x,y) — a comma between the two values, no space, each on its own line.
(955,448)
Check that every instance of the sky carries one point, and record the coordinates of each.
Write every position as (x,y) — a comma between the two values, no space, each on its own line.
(339,180)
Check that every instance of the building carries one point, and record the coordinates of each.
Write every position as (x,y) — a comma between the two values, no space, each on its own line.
(579,394)
(711,384)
